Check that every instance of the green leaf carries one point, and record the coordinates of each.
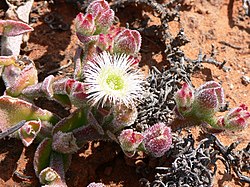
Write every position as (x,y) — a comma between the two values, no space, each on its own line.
(42,156)
(75,120)
(14,110)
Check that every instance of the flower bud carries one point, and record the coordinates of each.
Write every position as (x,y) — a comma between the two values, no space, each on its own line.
(130,140)
(184,98)
(97,7)
(128,42)
(158,139)
(85,24)
(122,116)
(236,119)
(103,15)
(104,42)
(208,99)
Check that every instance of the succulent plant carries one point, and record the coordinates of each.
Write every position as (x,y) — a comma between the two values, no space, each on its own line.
(103,94)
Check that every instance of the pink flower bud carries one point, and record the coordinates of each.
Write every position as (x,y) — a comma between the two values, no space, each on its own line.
(128,42)
(85,25)
(158,139)
(208,99)
(123,117)
(103,15)
(97,7)
(184,98)
(237,118)
(105,42)
(130,140)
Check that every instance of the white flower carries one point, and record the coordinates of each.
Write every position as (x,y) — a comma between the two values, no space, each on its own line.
(114,79)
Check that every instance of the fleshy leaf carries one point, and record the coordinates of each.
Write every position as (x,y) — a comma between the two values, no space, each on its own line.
(24,78)
(64,142)
(7,60)
(42,156)
(13,28)
(29,131)
(73,121)
(14,110)
(40,89)
(12,129)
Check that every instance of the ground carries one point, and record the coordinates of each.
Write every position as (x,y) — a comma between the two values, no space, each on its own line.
(208,24)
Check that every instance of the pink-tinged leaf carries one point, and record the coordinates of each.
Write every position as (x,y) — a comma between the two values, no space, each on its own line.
(218,90)
(209,97)
(10,75)
(29,131)
(104,22)
(42,156)
(51,178)
(14,110)
(47,86)
(75,90)
(7,60)
(43,89)
(78,95)
(87,39)
(207,102)
(104,42)
(13,28)
(23,79)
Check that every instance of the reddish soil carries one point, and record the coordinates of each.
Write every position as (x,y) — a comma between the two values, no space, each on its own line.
(220,23)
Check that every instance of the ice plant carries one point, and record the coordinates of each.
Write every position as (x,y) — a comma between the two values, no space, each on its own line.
(112,79)
(196,107)
(157,139)
(102,98)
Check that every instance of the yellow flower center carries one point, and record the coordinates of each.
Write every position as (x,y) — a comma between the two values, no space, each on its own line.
(115,82)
